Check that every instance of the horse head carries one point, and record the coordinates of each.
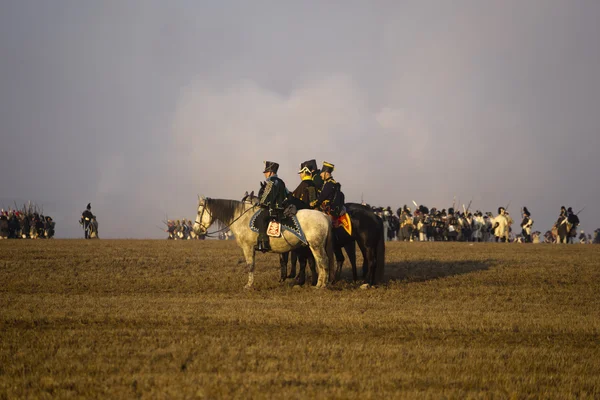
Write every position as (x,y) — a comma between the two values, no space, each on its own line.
(204,218)
(250,198)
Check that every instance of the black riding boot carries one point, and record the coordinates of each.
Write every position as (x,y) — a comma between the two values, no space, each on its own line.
(263,243)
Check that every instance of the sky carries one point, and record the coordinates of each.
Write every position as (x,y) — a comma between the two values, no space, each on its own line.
(139,106)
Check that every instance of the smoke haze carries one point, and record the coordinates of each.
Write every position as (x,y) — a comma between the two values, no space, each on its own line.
(139,106)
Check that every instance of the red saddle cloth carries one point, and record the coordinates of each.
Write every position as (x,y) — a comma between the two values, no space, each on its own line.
(343,221)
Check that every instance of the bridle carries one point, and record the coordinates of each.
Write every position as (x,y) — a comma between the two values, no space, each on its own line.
(200,215)
(226,227)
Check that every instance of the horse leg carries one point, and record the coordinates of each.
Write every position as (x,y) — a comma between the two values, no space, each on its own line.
(301,277)
(351,253)
(283,260)
(249,255)
(313,269)
(293,261)
(339,261)
(322,264)
(371,257)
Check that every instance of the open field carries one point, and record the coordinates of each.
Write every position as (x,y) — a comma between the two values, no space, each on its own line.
(164,319)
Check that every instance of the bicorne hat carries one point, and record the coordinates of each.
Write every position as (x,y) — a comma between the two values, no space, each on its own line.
(304,168)
(327,167)
(271,166)
(526,211)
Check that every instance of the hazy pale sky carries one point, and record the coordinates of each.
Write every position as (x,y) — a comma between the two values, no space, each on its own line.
(138,106)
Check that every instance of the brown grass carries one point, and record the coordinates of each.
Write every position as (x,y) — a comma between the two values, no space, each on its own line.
(160,319)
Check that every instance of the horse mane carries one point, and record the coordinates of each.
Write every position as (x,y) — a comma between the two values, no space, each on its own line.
(222,209)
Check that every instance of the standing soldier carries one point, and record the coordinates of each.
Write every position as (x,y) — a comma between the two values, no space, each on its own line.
(272,198)
(509,222)
(452,226)
(86,220)
(526,225)
(500,225)
(572,223)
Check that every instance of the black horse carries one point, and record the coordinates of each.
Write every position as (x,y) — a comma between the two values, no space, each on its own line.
(367,232)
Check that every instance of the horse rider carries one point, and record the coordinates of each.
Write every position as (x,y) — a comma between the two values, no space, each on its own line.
(315,172)
(86,219)
(331,198)
(306,191)
(526,225)
(272,198)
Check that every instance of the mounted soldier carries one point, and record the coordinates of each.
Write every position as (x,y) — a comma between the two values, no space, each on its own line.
(331,199)
(316,173)
(306,192)
(86,220)
(272,198)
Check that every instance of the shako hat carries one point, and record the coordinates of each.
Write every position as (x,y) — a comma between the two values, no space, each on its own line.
(89,206)
(311,165)
(526,211)
(327,167)
(271,166)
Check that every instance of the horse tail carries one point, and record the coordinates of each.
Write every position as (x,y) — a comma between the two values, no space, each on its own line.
(330,254)
(379,270)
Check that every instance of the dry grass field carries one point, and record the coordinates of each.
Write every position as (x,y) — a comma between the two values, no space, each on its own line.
(163,319)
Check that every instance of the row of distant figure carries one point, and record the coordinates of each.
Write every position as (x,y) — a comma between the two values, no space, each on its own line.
(424,224)
(182,229)
(26,223)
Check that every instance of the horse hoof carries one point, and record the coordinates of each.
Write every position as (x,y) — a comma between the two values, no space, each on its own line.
(296,287)
(365,286)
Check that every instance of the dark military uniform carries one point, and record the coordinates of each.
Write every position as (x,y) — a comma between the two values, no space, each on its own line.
(86,220)
(272,198)
(306,191)
(572,223)
(331,198)
(526,225)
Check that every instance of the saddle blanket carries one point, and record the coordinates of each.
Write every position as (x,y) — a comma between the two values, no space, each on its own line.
(289,224)
(345,222)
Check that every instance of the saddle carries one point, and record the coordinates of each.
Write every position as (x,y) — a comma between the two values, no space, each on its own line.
(275,229)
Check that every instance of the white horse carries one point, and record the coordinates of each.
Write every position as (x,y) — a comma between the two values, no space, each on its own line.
(236,216)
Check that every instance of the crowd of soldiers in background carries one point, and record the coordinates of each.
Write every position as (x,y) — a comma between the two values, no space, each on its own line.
(182,229)
(424,224)
(26,223)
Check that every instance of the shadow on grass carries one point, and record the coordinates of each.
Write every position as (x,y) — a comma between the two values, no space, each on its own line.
(421,271)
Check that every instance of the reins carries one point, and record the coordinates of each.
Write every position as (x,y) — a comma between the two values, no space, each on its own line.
(211,234)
